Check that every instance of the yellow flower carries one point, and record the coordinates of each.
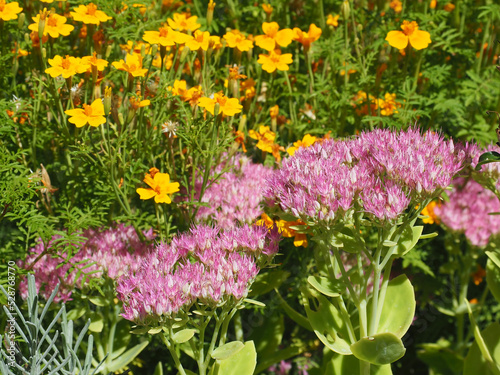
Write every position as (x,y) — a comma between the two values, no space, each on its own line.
(433,4)
(235,39)
(214,42)
(429,211)
(267,8)
(132,65)
(479,275)
(9,11)
(88,14)
(307,38)
(55,24)
(307,141)
(65,67)
(161,187)
(90,114)
(418,39)
(332,20)
(396,5)
(201,40)
(180,87)
(135,47)
(273,36)
(93,61)
(275,61)
(165,37)
(136,103)
(274,111)
(227,106)
(193,95)
(265,142)
(389,106)
(300,239)
(183,22)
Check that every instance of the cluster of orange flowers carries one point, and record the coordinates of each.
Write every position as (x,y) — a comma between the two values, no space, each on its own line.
(369,105)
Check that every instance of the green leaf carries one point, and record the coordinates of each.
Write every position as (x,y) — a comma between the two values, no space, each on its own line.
(325,286)
(158,369)
(96,322)
(493,278)
(267,281)
(127,357)
(268,335)
(183,336)
(328,324)
(336,364)
(486,158)
(139,330)
(379,349)
(241,363)
(487,342)
(440,358)
(155,330)
(293,314)
(76,313)
(399,307)
(99,300)
(122,338)
(409,238)
(495,257)
(346,241)
(227,350)
(254,302)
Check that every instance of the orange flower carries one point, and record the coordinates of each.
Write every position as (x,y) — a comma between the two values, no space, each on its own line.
(132,65)
(307,141)
(214,42)
(183,22)
(161,187)
(307,38)
(180,87)
(332,20)
(389,106)
(418,39)
(273,36)
(89,14)
(267,8)
(66,67)
(265,142)
(227,106)
(9,11)
(433,4)
(136,103)
(478,276)
(284,228)
(193,95)
(55,24)
(135,47)
(90,114)
(93,61)
(429,211)
(396,5)
(237,40)
(201,40)
(165,37)
(274,111)
(449,7)
(275,61)
(240,139)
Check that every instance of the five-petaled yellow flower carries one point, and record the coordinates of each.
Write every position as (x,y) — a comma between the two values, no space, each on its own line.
(165,37)
(418,39)
(183,22)
(161,187)
(88,14)
(201,40)
(307,141)
(273,35)
(90,114)
(235,39)
(65,67)
(55,24)
(9,11)
(307,38)
(227,106)
(93,62)
(275,61)
(132,65)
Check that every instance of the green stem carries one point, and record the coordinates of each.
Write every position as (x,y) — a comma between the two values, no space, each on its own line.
(172,351)
(290,101)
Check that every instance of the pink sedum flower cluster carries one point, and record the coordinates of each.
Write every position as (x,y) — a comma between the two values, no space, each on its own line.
(206,265)
(114,251)
(235,198)
(379,172)
(468,212)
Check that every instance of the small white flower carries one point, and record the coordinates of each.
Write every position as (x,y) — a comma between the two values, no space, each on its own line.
(169,127)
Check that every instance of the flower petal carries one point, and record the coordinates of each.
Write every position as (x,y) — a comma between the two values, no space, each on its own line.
(163,198)
(420,39)
(397,39)
(146,193)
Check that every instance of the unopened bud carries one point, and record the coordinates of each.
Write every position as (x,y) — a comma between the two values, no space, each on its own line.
(346,10)
(216,109)
(210,12)
(154,50)
(27,39)
(107,100)
(108,51)
(120,118)
(44,52)
(143,50)
(20,21)
(243,122)
(359,27)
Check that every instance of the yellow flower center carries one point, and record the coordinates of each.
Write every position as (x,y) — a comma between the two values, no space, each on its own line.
(65,63)
(91,9)
(409,27)
(87,109)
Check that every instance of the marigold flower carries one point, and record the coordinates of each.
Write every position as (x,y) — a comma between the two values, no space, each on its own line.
(307,141)
(132,65)
(136,103)
(93,61)
(332,20)
(135,47)
(90,114)
(389,106)
(201,39)
(161,187)
(65,67)
(267,8)
(227,106)
(396,5)
(265,142)
(273,36)
(235,39)
(55,25)
(429,211)
(478,276)
(300,239)
(433,4)
(165,37)
(9,11)
(193,95)
(274,111)
(275,61)
(183,22)
(418,39)
(179,88)
(89,14)
(307,38)
(449,7)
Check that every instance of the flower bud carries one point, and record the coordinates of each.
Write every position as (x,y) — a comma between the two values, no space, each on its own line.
(108,51)
(107,100)
(216,109)
(345,9)
(210,12)
(27,39)
(143,50)
(20,21)
(44,52)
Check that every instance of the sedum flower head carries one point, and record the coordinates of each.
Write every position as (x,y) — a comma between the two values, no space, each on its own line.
(418,39)
(9,11)
(234,198)
(90,114)
(113,251)
(89,14)
(161,188)
(468,211)
(55,24)
(275,61)
(206,265)
(379,173)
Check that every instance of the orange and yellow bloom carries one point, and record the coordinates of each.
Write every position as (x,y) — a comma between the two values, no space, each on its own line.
(132,65)
(183,22)
(55,24)
(65,67)
(9,11)
(273,35)
(227,106)
(200,40)
(166,36)
(307,141)
(307,38)
(418,39)
(161,187)
(89,14)
(275,61)
(90,114)
(235,39)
